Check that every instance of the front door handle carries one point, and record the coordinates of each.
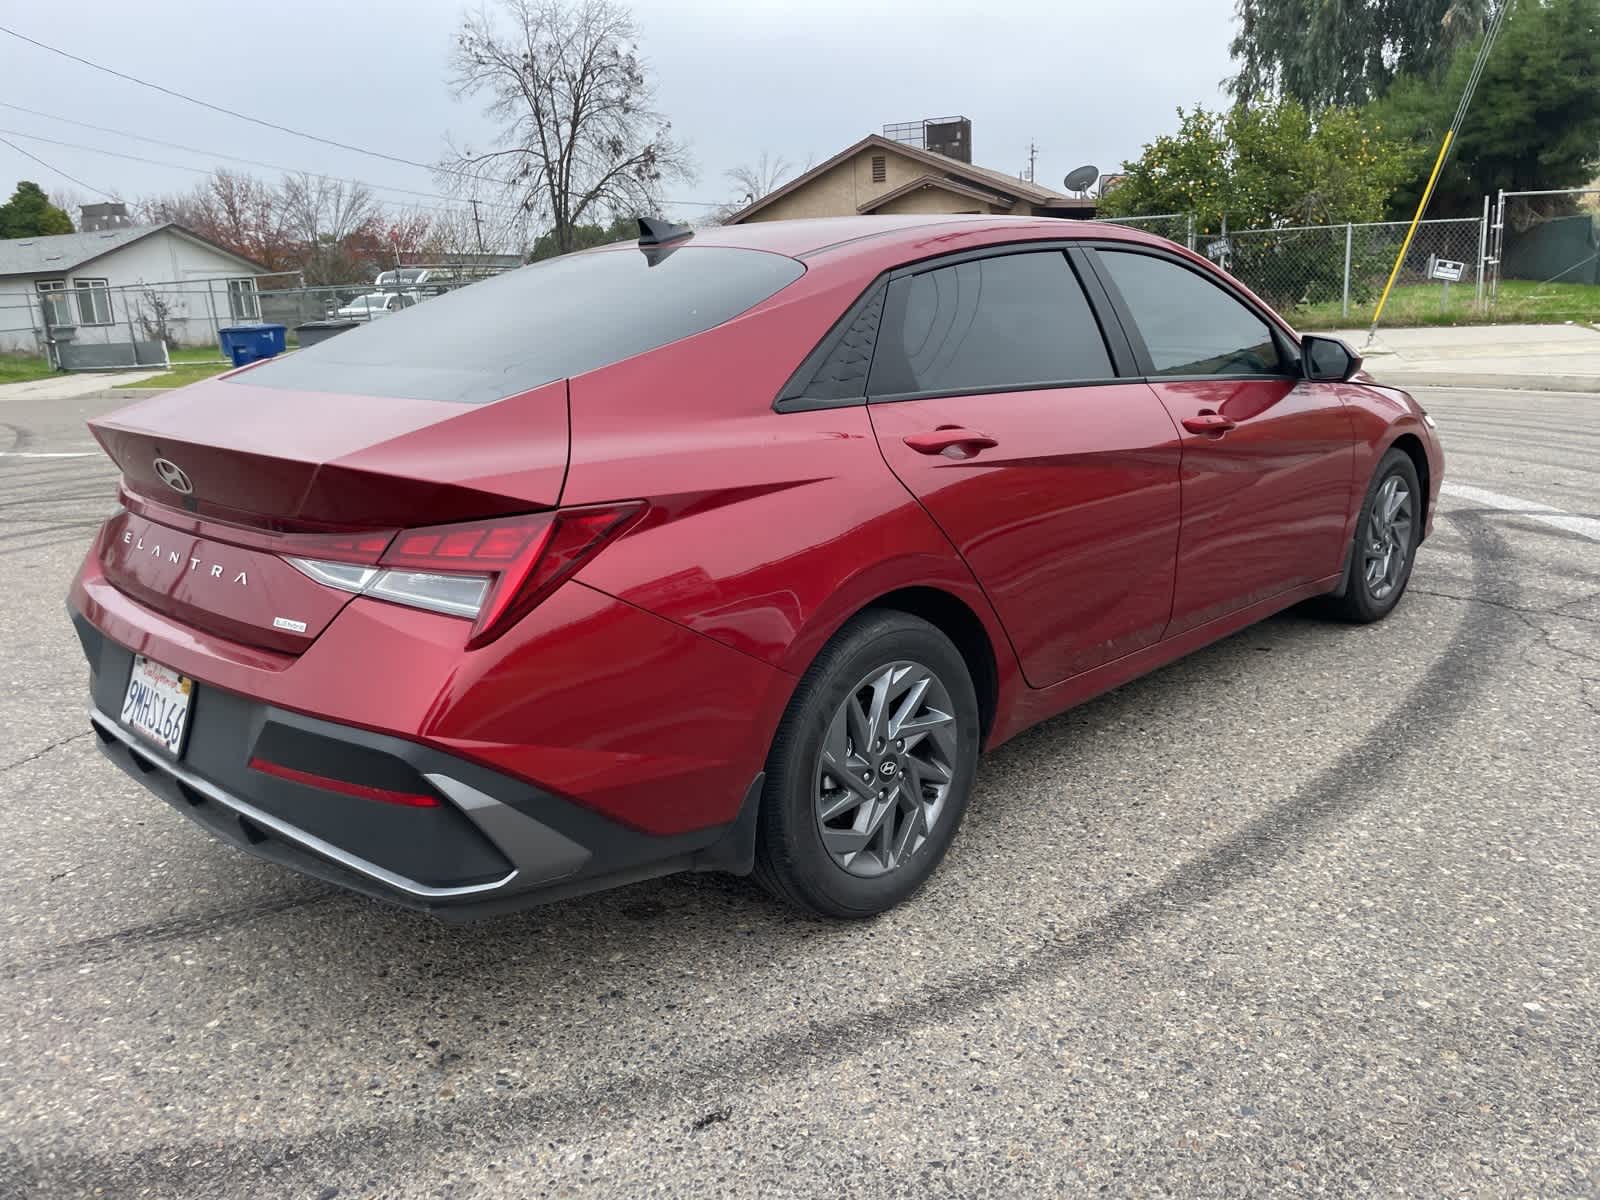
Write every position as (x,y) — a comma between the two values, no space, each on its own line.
(946,437)
(1209,422)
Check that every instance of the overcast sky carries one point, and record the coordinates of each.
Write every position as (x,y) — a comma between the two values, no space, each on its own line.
(1088,83)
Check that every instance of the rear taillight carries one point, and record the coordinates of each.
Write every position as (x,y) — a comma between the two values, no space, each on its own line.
(491,572)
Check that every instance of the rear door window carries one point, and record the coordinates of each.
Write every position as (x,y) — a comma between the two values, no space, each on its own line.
(530,326)
(1004,323)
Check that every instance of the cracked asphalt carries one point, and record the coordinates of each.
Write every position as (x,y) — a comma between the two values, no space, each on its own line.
(1315,911)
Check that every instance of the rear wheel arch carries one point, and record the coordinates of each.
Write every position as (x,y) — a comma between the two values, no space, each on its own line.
(954,618)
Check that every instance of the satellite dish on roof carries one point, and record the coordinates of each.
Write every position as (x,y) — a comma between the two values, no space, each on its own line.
(1082,179)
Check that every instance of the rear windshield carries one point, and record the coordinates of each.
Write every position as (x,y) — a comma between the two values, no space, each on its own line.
(538,323)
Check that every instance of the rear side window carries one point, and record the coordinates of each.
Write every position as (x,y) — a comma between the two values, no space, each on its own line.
(536,324)
(1190,325)
(1003,323)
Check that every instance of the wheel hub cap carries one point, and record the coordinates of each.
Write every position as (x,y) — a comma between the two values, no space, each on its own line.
(1388,537)
(888,759)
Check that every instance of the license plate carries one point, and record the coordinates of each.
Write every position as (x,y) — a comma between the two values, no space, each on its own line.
(156,705)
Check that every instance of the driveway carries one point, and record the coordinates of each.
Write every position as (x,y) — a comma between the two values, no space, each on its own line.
(1313,911)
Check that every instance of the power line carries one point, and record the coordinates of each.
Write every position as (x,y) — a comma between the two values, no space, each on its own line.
(1489,38)
(254,162)
(406,162)
(394,158)
(57,170)
(154,162)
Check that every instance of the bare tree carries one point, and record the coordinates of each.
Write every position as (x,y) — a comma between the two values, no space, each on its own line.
(751,181)
(238,210)
(328,218)
(578,136)
(317,208)
(461,233)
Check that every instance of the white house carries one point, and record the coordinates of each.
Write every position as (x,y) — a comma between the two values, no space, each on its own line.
(116,286)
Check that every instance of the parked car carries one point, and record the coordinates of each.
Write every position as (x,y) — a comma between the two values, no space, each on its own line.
(405,277)
(727,551)
(373,305)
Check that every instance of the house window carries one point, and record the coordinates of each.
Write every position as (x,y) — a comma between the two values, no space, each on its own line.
(243,303)
(55,301)
(880,168)
(94,301)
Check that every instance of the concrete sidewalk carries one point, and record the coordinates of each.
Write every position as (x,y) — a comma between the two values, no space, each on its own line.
(71,387)
(1557,358)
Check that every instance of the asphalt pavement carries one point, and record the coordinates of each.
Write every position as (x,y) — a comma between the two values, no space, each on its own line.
(1313,911)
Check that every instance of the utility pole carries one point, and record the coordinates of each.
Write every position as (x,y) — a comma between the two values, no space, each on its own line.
(1033,153)
(477,224)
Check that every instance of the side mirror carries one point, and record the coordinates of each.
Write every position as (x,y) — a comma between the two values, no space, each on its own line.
(1327,359)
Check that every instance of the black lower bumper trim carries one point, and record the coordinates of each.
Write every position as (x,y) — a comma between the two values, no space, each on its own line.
(492,844)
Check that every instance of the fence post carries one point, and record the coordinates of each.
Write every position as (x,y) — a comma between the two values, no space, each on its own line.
(133,338)
(1483,252)
(1349,237)
(1499,245)
(211,307)
(1190,243)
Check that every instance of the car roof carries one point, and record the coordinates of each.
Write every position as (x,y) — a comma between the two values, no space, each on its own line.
(879,237)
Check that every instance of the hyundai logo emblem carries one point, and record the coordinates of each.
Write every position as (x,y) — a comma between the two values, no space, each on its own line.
(888,768)
(174,476)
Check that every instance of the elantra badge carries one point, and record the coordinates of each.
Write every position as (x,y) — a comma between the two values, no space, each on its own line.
(174,476)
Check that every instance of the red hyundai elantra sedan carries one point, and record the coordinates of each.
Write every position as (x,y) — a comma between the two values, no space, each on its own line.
(723,551)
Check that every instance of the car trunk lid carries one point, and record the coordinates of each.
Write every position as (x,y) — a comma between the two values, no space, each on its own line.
(224,480)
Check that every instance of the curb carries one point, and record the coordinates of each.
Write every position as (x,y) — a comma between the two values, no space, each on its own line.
(1589,384)
(128,394)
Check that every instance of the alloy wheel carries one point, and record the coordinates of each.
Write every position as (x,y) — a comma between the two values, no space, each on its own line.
(1387,544)
(886,767)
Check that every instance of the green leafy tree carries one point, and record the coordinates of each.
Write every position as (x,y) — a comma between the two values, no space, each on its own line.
(1534,120)
(547,245)
(1267,165)
(1344,52)
(29,213)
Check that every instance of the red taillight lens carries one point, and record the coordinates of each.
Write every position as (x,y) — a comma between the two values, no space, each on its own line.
(523,558)
(491,572)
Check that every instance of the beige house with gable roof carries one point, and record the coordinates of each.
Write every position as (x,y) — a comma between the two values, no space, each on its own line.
(884,175)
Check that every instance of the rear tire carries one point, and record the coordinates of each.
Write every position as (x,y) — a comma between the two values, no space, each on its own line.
(1387,531)
(871,769)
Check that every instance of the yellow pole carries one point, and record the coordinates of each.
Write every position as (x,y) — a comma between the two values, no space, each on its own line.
(1422,206)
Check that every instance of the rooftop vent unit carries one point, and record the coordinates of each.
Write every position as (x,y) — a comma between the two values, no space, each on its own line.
(949,136)
(92,218)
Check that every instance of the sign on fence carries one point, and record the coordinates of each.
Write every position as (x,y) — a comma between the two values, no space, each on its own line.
(1447,269)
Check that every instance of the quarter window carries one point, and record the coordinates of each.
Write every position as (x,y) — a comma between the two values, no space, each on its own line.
(1004,323)
(94,301)
(1190,326)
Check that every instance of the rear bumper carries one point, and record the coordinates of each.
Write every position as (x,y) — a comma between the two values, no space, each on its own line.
(493,843)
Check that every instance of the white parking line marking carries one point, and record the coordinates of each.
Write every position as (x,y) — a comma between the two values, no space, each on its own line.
(48,453)
(1587,527)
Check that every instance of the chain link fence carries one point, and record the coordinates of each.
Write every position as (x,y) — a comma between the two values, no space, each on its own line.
(86,324)
(1175,227)
(1327,275)
(1545,252)
(1322,273)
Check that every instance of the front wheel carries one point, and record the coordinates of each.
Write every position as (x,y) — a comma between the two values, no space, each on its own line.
(871,769)
(1387,533)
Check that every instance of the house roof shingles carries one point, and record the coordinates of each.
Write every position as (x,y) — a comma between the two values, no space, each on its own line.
(63,252)
(950,167)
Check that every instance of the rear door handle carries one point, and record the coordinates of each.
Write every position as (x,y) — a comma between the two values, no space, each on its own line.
(1209,422)
(937,441)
